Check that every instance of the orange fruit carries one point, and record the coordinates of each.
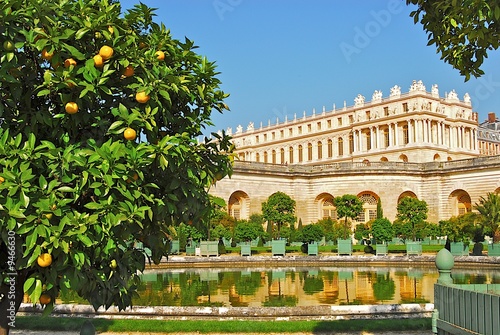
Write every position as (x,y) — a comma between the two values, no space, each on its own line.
(141,97)
(47,55)
(134,177)
(98,61)
(2,179)
(160,55)
(129,71)
(68,62)
(45,299)
(9,46)
(106,52)
(111,29)
(44,260)
(71,107)
(129,134)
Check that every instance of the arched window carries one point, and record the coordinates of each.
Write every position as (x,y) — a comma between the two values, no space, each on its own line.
(290,154)
(273,153)
(235,208)
(257,157)
(341,146)
(330,148)
(386,137)
(309,151)
(265,156)
(405,135)
(329,210)
(282,154)
(464,204)
(368,140)
(320,150)
(351,143)
(300,154)
(369,207)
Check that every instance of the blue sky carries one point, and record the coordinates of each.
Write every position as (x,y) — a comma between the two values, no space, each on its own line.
(278,58)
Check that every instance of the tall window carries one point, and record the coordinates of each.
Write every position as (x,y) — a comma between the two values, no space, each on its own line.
(341,146)
(368,140)
(386,137)
(351,143)
(300,154)
(329,210)
(273,153)
(309,151)
(257,157)
(265,156)
(405,135)
(282,154)
(290,154)
(235,208)
(330,148)
(386,111)
(320,150)
(464,204)
(405,107)
(369,207)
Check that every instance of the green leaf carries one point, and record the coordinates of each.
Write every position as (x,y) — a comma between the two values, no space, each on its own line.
(85,240)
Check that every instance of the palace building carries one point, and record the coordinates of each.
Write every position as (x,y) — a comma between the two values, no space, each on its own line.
(415,144)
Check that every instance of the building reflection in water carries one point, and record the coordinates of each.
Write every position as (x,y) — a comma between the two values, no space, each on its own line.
(260,287)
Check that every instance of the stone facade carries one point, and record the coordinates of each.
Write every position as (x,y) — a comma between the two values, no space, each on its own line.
(414,144)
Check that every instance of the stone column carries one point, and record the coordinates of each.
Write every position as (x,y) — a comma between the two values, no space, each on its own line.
(396,133)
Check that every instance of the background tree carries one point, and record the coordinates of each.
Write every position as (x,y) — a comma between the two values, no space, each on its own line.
(311,233)
(348,206)
(382,230)
(380,211)
(411,212)
(100,112)
(279,209)
(327,225)
(460,228)
(362,232)
(247,231)
(463,31)
(489,214)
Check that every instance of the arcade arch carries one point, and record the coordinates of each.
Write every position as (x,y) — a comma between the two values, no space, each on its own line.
(460,202)
(326,207)
(238,205)
(406,194)
(369,200)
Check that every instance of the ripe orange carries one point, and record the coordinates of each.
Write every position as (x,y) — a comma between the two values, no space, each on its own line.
(106,52)
(129,134)
(68,62)
(71,107)
(44,260)
(111,29)
(2,179)
(98,61)
(160,55)
(134,177)
(141,97)
(129,71)
(45,299)
(47,55)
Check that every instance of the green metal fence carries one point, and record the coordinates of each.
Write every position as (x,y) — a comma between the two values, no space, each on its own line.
(467,309)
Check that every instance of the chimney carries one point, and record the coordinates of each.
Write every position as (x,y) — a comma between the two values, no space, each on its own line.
(491,117)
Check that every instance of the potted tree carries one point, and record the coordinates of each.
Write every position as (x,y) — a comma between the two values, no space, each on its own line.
(246,232)
(348,207)
(489,218)
(460,230)
(309,235)
(279,209)
(411,213)
(382,232)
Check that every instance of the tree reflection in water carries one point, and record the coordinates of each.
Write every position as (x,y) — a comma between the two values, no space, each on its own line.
(257,287)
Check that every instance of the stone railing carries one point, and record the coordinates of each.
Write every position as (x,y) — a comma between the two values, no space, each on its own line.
(491,161)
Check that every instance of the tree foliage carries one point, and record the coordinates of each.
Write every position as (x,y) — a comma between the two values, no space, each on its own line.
(348,206)
(463,31)
(382,230)
(248,230)
(489,211)
(279,209)
(460,228)
(100,112)
(411,212)
(311,233)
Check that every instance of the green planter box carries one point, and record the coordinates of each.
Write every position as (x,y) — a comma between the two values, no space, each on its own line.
(344,247)
(312,249)
(459,249)
(494,249)
(246,249)
(381,249)
(209,248)
(278,247)
(174,247)
(413,248)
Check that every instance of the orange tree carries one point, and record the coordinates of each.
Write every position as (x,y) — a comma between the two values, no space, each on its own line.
(100,111)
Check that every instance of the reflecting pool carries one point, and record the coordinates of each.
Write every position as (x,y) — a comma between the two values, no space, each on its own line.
(297,286)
